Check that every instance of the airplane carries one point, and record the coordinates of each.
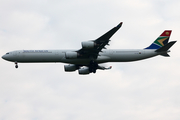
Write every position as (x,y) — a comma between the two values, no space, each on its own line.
(93,53)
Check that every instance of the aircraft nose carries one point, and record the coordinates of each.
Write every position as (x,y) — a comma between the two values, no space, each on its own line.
(7,57)
(4,57)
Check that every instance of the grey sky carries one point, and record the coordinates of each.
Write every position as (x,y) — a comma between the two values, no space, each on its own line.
(147,89)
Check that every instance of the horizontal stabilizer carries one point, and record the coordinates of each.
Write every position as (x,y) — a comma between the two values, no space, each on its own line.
(165,55)
(166,47)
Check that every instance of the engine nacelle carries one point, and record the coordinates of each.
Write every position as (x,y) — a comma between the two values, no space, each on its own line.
(88,44)
(70,68)
(71,55)
(84,71)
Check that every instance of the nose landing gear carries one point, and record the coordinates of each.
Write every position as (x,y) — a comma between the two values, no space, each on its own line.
(16,65)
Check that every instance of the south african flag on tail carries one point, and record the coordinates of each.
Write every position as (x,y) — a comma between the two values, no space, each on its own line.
(161,41)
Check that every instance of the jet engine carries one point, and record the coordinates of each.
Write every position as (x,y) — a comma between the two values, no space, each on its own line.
(84,71)
(88,44)
(70,68)
(71,55)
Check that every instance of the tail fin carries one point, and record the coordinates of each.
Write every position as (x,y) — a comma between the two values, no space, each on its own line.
(161,41)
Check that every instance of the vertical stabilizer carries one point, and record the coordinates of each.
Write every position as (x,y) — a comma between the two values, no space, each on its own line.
(161,40)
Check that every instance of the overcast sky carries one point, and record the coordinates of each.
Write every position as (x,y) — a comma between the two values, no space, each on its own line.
(142,90)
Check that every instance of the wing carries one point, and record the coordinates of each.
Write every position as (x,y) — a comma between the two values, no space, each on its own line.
(95,46)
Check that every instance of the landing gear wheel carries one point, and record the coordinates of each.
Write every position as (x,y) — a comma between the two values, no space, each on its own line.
(94,70)
(16,66)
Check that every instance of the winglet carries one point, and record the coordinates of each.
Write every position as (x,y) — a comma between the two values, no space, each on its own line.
(120,24)
(104,68)
(108,68)
(110,33)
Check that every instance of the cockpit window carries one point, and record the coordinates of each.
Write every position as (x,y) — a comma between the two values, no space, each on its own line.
(7,53)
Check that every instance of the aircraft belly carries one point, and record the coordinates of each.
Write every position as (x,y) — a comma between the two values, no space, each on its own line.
(76,61)
(103,59)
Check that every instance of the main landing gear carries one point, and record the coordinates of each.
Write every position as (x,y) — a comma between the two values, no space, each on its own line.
(16,65)
(93,66)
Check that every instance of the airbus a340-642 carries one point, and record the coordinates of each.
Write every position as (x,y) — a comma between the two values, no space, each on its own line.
(88,59)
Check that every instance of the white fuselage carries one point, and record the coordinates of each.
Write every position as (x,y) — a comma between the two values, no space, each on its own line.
(114,55)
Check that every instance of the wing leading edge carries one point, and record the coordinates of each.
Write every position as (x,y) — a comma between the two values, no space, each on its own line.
(98,44)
